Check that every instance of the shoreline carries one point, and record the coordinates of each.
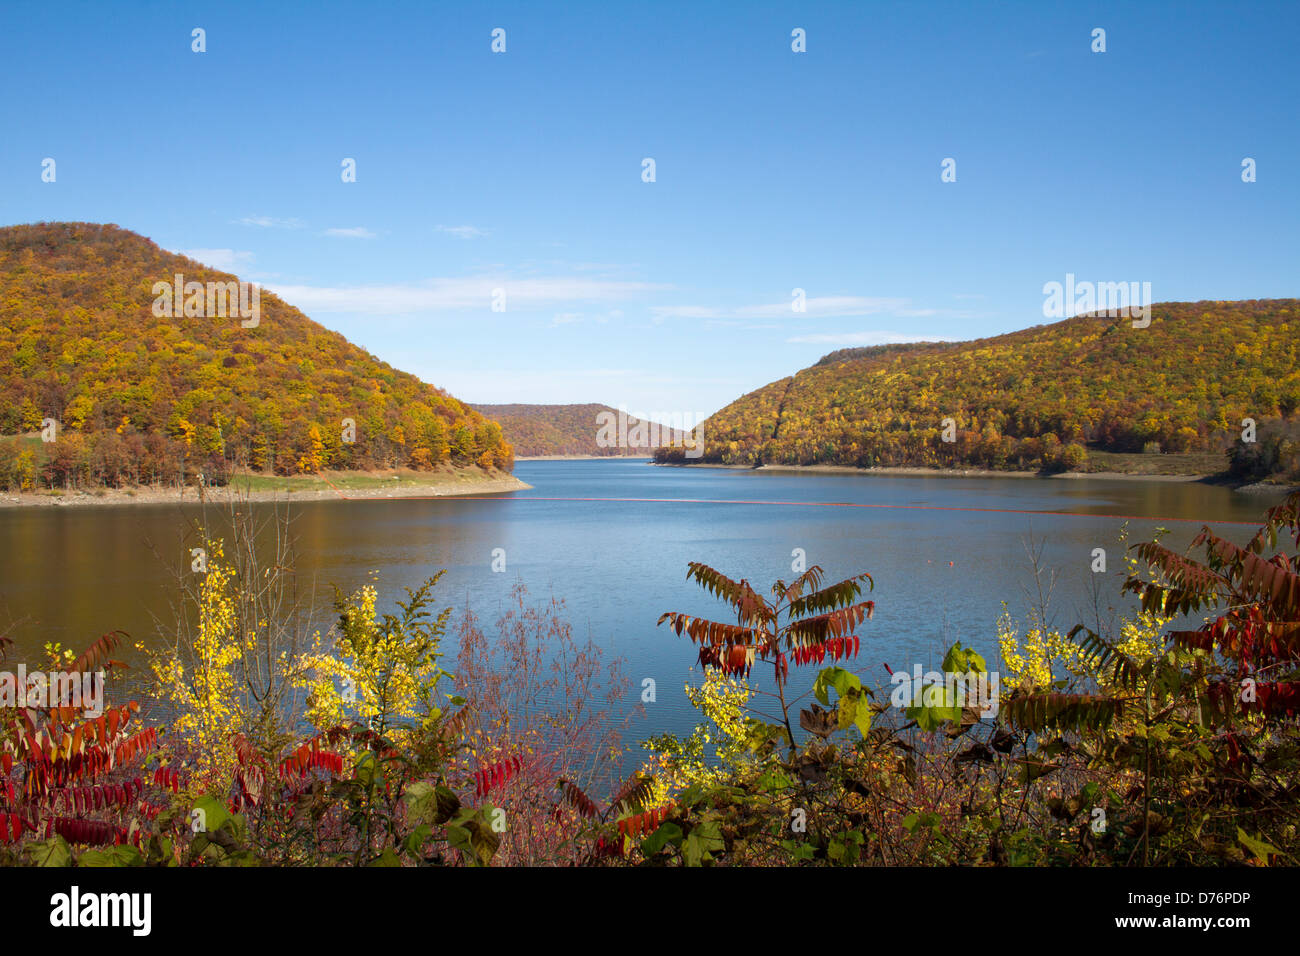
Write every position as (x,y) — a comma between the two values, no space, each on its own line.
(584,458)
(914,472)
(972,472)
(353,486)
(408,485)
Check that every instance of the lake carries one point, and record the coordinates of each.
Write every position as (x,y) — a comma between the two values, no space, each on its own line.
(945,553)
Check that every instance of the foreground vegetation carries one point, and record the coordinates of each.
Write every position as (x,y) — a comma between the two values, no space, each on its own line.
(1135,743)
(1042,398)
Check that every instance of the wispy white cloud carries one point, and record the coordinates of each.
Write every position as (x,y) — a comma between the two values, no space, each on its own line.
(688,312)
(270,222)
(227,260)
(460,293)
(578,318)
(463,232)
(815,306)
(356,232)
(865,338)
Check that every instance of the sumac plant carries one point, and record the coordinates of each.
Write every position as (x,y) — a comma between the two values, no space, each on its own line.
(74,784)
(742,811)
(630,809)
(352,796)
(800,623)
(1200,744)
(1188,754)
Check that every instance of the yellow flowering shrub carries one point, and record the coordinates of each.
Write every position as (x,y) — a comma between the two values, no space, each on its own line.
(1040,656)
(379,669)
(724,735)
(200,683)
(58,656)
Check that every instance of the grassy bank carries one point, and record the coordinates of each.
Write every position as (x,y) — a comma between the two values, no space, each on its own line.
(1192,464)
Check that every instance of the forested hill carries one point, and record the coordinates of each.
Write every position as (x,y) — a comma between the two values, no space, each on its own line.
(539,430)
(140,398)
(1039,398)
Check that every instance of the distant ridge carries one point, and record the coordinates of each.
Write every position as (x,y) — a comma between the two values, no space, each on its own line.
(542,430)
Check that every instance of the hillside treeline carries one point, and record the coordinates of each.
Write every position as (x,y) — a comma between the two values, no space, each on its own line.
(1040,398)
(138,398)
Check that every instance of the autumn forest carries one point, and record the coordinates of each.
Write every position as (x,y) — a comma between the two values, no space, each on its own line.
(1042,398)
(142,400)
(139,400)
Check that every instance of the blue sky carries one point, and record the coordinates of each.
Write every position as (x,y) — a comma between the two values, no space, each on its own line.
(774,170)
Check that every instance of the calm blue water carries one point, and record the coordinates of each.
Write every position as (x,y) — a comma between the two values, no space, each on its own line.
(70,575)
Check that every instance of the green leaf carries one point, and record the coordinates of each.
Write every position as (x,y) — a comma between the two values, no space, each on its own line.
(1031,769)
(124,855)
(415,840)
(930,717)
(801,850)
(1259,848)
(160,851)
(51,852)
(845,847)
(367,768)
(470,832)
(963,660)
(213,814)
(448,804)
(701,843)
(421,801)
(693,794)
(836,677)
(927,820)
(668,832)
(856,710)
(773,779)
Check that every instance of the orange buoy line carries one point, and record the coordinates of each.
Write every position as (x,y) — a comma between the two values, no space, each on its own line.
(791,504)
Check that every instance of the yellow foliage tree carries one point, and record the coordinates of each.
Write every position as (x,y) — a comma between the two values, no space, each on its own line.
(1041,656)
(314,459)
(379,669)
(201,684)
(677,763)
